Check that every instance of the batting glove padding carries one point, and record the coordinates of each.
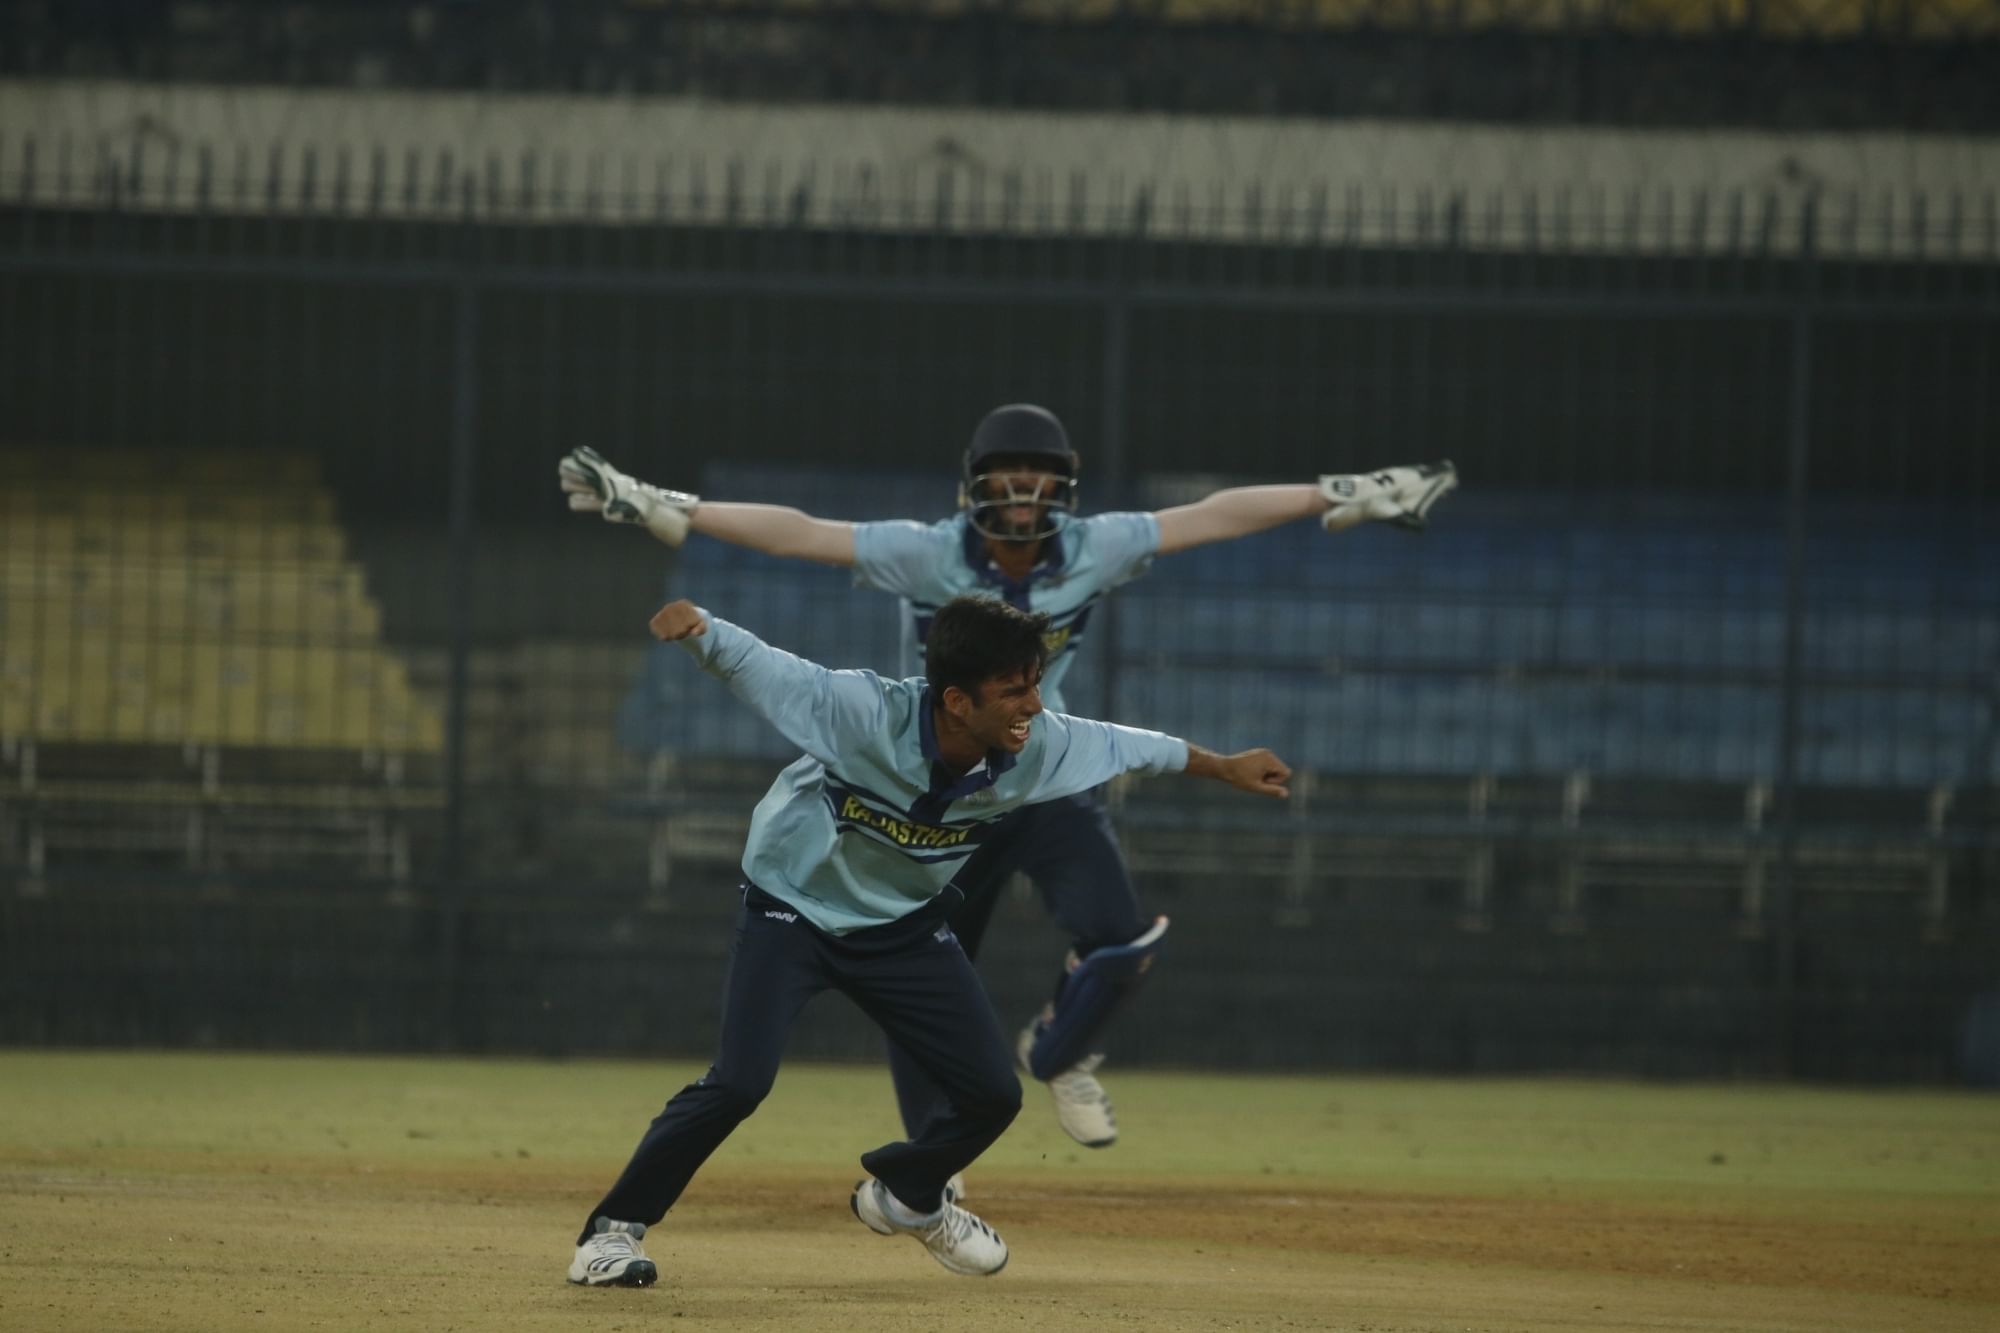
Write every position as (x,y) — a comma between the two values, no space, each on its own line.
(594,486)
(1402,495)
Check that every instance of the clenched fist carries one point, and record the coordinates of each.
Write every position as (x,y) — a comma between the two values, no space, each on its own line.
(678,620)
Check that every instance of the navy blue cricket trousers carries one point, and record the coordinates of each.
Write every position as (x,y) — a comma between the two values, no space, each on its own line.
(911,977)
(1067,848)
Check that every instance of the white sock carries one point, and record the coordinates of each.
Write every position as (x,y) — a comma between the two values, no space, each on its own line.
(902,1214)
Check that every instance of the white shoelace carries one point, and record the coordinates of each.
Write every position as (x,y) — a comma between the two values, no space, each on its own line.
(611,1247)
(955,1226)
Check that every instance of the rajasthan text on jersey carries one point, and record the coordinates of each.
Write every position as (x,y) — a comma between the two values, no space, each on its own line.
(903,832)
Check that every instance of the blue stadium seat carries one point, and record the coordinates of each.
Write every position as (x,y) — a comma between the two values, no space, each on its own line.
(1644,637)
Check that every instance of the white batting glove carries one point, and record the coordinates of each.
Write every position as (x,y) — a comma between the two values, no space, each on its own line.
(595,487)
(1402,495)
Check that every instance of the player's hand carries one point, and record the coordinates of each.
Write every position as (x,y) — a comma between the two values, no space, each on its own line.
(678,620)
(1257,771)
(593,486)
(1402,495)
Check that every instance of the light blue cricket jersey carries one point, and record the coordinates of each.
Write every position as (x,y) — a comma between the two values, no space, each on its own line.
(870,825)
(929,564)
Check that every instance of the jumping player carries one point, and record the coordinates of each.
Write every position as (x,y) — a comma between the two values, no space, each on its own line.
(849,874)
(1017,537)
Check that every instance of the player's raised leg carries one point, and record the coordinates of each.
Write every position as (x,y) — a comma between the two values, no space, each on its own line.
(1072,856)
(1069,850)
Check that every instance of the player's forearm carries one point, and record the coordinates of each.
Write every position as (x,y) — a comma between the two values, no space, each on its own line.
(1203,763)
(1257,771)
(777,530)
(1237,512)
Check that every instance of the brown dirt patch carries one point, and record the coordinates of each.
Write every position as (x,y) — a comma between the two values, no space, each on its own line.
(120,1245)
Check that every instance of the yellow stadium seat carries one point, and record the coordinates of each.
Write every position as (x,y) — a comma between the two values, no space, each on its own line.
(169,602)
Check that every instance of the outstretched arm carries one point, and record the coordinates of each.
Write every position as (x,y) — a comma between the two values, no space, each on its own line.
(1403,495)
(777,530)
(816,709)
(1257,771)
(593,485)
(1083,753)
(1236,512)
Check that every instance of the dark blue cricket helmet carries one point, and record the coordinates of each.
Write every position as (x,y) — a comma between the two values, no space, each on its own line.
(1019,434)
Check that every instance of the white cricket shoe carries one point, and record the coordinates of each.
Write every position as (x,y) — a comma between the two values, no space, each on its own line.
(1083,1108)
(956,1238)
(612,1257)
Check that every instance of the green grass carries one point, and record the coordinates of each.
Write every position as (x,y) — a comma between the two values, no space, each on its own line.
(1485,1136)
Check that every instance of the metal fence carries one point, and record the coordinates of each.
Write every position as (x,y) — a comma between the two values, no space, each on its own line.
(1716,616)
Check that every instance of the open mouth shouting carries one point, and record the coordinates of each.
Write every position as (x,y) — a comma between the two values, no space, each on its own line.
(1004,718)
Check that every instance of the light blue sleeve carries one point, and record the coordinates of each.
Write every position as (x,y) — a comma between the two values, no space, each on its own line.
(1080,753)
(904,557)
(822,712)
(1122,546)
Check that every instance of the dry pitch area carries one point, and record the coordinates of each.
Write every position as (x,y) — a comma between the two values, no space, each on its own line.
(222,1193)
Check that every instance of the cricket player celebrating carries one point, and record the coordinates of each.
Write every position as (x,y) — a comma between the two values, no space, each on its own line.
(1017,538)
(850,873)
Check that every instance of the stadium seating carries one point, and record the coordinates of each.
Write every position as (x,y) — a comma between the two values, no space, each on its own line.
(1646,643)
(180,655)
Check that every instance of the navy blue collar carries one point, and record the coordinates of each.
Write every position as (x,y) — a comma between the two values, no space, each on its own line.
(1012,591)
(947,786)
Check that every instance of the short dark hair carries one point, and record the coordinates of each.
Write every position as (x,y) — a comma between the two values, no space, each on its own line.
(976,639)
